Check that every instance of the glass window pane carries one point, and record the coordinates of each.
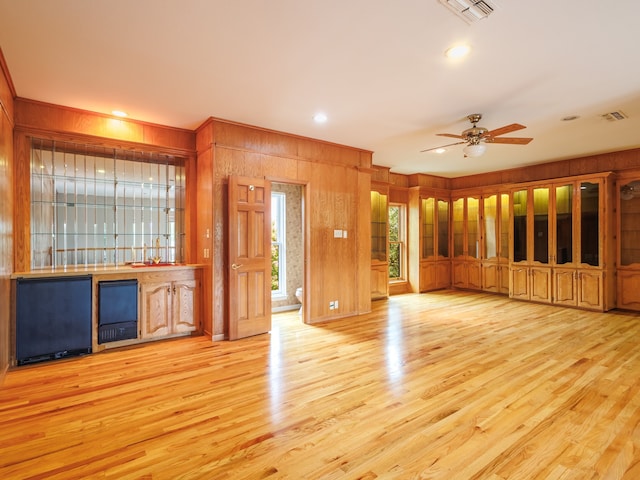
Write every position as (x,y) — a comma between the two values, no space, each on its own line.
(520,226)
(443,228)
(458,227)
(428,226)
(630,223)
(590,223)
(541,225)
(473,227)
(490,206)
(564,224)
(504,225)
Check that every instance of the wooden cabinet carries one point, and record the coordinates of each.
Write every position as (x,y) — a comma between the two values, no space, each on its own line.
(168,308)
(561,236)
(466,240)
(429,259)
(495,242)
(379,242)
(628,254)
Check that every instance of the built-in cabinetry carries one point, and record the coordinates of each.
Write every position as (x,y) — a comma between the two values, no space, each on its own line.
(379,241)
(429,258)
(168,308)
(166,303)
(628,259)
(562,242)
(465,239)
(495,242)
(480,239)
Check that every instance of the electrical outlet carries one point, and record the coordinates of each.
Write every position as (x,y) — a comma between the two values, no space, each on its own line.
(332,305)
(335,305)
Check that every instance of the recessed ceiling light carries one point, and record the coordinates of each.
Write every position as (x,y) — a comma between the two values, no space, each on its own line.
(457,51)
(119,113)
(320,117)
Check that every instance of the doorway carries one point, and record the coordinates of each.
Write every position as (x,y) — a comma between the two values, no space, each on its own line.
(287,248)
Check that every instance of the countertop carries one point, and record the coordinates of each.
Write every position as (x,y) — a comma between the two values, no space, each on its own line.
(103,269)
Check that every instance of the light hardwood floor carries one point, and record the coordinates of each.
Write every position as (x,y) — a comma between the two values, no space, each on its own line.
(444,385)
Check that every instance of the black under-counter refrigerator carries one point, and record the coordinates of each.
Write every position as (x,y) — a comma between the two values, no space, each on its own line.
(53,318)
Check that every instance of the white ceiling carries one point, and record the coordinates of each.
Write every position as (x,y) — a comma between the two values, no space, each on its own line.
(375,67)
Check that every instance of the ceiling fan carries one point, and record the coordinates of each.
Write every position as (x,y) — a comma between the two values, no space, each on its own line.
(476,137)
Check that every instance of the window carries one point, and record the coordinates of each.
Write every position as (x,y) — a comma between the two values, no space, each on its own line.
(278,235)
(397,239)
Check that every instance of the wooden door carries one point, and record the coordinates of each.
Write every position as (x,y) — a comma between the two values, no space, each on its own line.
(249,259)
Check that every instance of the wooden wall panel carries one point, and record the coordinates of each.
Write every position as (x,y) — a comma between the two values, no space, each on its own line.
(22,199)
(336,195)
(284,145)
(203,228)
(46,118)
(362,237)
(607,162)
(6,213)
(380,174)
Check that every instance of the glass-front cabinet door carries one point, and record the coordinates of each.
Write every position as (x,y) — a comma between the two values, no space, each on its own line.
(520,226)
(628,271)
(428,228)
(473,227)
(458,228)
(541,225)
(429,262)
(443,228)
(559,236)
(379,244)
(590,223)
(495,242)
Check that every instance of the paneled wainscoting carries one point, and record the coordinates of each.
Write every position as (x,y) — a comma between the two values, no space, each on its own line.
(444,385)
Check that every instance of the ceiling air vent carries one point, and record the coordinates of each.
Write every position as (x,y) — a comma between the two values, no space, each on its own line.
(614,116)
(470,10)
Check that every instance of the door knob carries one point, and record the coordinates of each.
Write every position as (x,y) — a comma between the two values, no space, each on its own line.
(235,267)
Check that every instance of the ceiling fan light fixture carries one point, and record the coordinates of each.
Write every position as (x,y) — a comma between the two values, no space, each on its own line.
(474,150)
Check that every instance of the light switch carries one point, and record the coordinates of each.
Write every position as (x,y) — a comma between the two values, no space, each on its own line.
(344,234)
(337,234)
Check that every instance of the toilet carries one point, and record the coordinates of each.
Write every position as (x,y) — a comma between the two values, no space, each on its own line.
(299,297)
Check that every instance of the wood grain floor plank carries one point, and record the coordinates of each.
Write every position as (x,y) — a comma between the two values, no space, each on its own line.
(446,385)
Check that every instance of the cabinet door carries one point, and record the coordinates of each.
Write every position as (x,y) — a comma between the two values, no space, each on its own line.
(460,269)
(565,287)
(379,281)
(428,276)
(628,290)
(443,274)
(474,274)
(183,308)
(156,309)
(590,289)
(541,284)
(519,283)
(490,277)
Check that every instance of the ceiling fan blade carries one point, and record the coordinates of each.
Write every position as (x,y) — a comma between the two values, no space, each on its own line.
(506,129)
(510,140)
(449,135)
(442,146)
